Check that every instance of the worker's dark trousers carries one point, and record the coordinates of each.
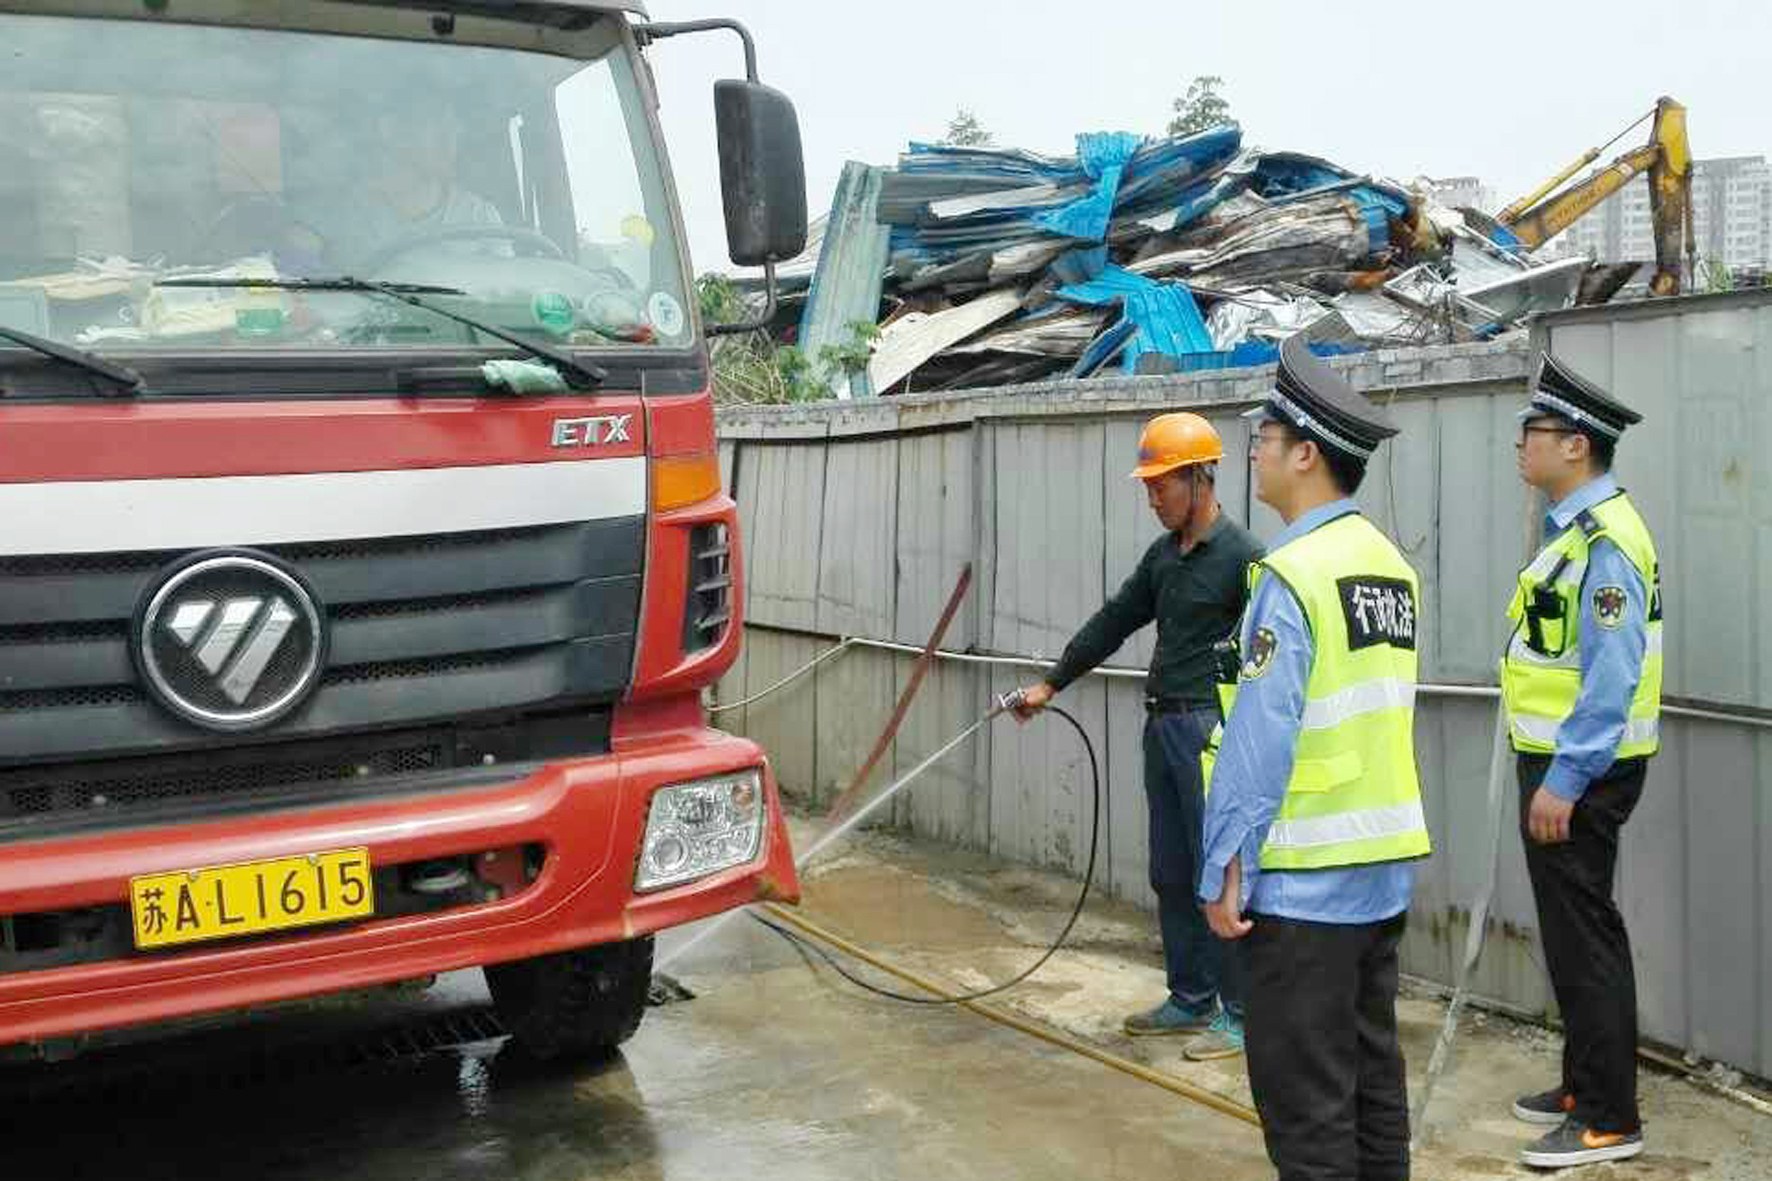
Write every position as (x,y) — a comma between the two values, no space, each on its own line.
(1199,966)
(1321,1038)
(1586,948)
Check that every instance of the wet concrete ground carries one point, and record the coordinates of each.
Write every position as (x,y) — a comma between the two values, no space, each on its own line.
(766,1073)
(967,919)
(774,1071)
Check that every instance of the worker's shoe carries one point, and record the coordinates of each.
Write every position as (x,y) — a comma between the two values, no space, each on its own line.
(1171,1018)
(1223,1040)
(1574,1143)
(1550,1107)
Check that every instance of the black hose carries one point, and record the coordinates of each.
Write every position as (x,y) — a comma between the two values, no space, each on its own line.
(803,945)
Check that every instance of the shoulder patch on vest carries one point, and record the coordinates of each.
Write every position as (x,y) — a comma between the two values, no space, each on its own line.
(1260,658)
(1609,605)
(1378,611)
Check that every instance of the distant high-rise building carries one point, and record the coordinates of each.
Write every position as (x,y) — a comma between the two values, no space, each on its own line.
(1731,217)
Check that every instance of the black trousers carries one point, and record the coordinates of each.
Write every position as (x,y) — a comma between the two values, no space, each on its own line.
(1321,1039)
(1586,948)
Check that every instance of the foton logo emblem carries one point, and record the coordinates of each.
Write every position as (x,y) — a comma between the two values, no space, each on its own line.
(231,641)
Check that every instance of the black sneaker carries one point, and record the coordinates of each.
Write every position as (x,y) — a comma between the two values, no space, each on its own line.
(1574,1143)
(1550,1107)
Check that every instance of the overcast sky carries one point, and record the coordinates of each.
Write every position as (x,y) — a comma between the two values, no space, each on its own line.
(1508,92)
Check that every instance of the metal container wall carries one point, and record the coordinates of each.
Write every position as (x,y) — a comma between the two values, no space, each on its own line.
(859,518)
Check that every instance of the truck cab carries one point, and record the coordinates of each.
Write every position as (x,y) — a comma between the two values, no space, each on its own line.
(363,545)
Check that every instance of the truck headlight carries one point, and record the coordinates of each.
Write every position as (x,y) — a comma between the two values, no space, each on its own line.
(694,829)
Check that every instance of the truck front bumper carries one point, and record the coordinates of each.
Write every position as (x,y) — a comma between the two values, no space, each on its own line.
(588,814)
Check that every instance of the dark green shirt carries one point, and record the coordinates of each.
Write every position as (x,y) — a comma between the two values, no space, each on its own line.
(1195,597)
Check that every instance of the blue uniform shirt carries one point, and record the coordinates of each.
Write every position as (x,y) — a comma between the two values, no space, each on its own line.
(1611,657)
(1255,762)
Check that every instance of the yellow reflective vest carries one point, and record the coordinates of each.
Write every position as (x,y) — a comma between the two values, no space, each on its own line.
(1353,798)
(1541,669)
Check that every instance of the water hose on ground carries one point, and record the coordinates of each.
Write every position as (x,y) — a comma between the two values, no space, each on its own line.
(811,939)
(808,936)
(1168,1082)
(1005,703)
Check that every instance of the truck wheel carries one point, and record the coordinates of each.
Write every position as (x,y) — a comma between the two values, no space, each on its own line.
(575,1003)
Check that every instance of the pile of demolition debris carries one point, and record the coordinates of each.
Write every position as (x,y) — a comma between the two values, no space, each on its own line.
(983,266)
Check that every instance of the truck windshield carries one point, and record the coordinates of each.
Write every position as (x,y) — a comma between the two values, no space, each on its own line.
(137,152)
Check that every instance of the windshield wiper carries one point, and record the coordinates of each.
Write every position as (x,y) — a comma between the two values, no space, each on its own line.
(342,283)
(128,380)
(588,374)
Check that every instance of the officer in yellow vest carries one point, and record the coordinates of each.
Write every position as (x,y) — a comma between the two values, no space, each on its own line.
(1313,816)
(1582,683)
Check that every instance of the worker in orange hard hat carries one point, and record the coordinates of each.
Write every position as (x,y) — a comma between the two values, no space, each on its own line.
(1177,457)
(1170,441)
(1193,582)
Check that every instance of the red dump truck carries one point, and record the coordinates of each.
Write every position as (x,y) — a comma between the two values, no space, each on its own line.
(363,546)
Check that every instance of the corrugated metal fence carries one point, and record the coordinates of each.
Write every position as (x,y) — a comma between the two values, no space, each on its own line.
(859,517)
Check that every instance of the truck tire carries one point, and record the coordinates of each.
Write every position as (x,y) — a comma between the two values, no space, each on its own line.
(576,1003)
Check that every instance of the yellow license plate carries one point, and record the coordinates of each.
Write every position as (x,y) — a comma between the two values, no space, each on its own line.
(224,901)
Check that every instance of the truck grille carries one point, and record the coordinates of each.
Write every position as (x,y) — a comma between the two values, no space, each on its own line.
(89,795)
(423,631)
(135,784)
(709,599)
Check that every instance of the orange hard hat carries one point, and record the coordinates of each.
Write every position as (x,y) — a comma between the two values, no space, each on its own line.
(1170,441)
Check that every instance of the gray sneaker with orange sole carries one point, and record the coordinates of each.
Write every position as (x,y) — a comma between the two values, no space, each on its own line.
(1549,1108)
(1574,1143)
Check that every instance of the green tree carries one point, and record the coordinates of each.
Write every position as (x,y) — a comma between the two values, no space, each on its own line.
(719,299)
(751,368)
(845,360)
(1201,108)
(965,131)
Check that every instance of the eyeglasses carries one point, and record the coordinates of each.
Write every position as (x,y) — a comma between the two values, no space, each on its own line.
(1542,430)
(1256,442)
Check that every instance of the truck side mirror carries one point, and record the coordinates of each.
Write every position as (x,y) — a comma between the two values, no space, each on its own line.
(762,172)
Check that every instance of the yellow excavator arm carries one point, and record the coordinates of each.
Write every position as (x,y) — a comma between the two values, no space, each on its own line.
(1667,158)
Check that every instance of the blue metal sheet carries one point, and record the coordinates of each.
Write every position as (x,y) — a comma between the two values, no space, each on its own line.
(1281,176)
(1104,156)
(1156,317)
(1114,176)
